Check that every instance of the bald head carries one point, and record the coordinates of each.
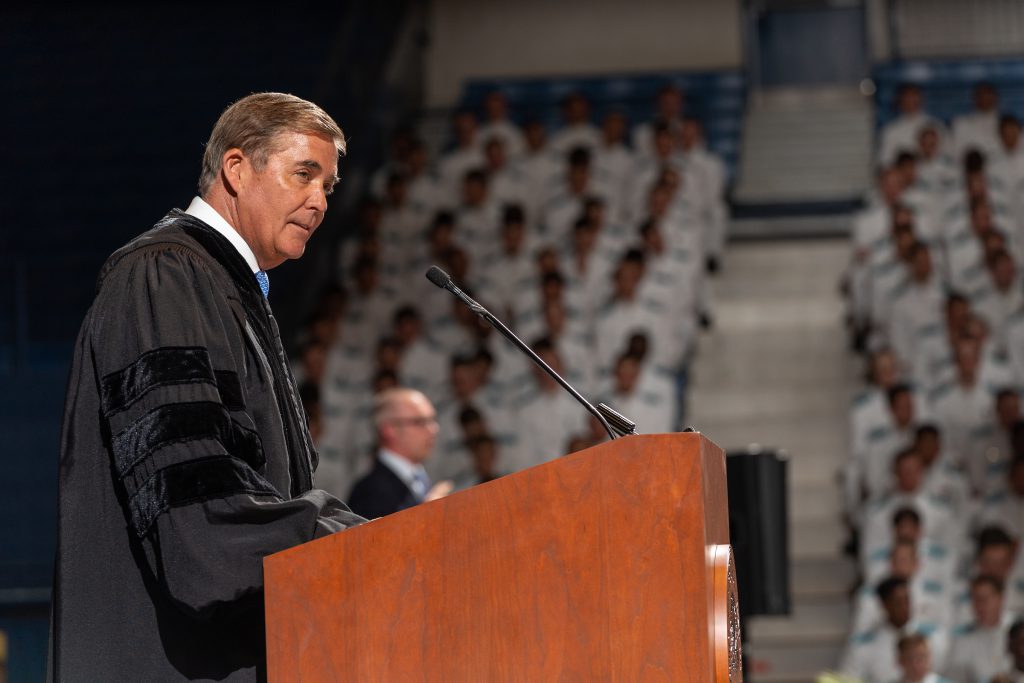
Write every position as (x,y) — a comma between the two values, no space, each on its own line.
(406,423)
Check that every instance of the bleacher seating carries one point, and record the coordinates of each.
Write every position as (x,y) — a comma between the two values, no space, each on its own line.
(934,484)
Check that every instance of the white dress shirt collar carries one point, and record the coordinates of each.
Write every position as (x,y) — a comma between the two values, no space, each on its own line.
(207,214)
(403,469)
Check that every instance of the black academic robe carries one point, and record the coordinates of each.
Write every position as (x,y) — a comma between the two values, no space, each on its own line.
(380,492)
(185,459)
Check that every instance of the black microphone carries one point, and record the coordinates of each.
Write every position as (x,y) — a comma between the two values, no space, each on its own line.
(604,414)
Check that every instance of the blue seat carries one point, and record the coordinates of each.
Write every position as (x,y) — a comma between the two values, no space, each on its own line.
(947,85)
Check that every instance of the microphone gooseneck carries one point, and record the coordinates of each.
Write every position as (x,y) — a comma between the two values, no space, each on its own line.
(444,281)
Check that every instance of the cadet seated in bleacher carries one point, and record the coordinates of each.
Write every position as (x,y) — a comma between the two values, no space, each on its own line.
(424,364)
(708,174)
(568,196)
(917,306)
(547,415)
(466,155)
(900,134)
(668,109)
(486,462)
(930,590)
(978,648)
(1006,507)
(936,170)
(916,662)
(477,218)
(511,270)
(506,183)
(665,155)
(613,160)
(577,130)
(498,125)
(541,168)
(943,480)
(630,395)
(870,470)
(586,264)
(872,655)
(979,129)
(938,521)
(628,311)
(998,555)
(423,187)
(1000,298)
(937,562)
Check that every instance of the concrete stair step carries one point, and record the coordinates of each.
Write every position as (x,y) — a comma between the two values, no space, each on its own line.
(826,576)
(800,660)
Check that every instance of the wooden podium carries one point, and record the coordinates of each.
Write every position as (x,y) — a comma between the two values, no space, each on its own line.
(611,564)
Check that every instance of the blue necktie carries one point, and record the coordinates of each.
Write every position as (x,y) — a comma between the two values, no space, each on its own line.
(261,277)
(423,482)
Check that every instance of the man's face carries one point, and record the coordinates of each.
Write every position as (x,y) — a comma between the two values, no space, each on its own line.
(411,428)
(626,374)
(903,562)
(986,604)
(883,369)
(897,607)
(907,530)
(614,128)
(996,560)
(1009,133)
(909,101)
(985,99)
(903,408)
(909,472)
(916,662)
(280,206)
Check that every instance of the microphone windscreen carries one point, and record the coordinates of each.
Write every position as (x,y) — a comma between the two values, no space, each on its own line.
(438,277)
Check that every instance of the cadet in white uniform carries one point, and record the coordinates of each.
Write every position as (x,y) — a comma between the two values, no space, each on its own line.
(980,129)
(577,130)
(901,133)
(541,168)
(613,159)
(548,415)
(871,655)
(465,156)
(978,649)
(965,407)
(506,183)
(917,306)
(669,110)
(498,125)
(914,654)
(930,593)
(708,170)
(1006,507)
(639,400)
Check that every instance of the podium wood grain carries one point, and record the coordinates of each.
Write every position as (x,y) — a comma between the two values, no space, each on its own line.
(591,567)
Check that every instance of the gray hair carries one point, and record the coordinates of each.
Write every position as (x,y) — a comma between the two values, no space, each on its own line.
(253,123)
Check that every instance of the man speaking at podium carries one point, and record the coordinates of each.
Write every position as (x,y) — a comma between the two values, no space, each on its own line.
(185,457)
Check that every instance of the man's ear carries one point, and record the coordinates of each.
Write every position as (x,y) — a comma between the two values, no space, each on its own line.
(232,168)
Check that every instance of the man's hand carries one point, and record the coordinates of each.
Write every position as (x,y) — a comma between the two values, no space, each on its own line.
(439,490)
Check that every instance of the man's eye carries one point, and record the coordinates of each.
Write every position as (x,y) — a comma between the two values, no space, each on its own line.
(303,174)
(328,189)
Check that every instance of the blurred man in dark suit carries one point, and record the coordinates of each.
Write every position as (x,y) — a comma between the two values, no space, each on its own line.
(406,431)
